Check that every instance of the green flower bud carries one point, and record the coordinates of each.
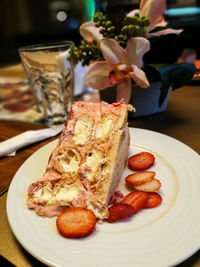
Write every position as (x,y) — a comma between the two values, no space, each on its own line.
(125,37)
(124,22)
(137,30)
(83,42)
(111,29)
(87,47)
(124,29)
(146,22)
(95,19)
(98,24)
(108,23)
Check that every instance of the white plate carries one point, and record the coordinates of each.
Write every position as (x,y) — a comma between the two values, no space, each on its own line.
(162,236)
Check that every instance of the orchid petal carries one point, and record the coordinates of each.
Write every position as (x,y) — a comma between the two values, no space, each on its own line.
(124,91)
(162,23)
(153,10)
(90,32)
(113,52)
(96,75)
(133,12)
(164,32)
(139,77)
(136,48)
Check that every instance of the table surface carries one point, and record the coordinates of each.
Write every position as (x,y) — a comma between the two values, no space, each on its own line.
(181,120)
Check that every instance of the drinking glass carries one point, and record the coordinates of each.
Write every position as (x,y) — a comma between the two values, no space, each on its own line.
(50,70)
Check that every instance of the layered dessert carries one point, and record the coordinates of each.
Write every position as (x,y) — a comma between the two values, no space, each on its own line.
(86,166)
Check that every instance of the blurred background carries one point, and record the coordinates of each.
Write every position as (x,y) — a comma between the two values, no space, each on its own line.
(24,22)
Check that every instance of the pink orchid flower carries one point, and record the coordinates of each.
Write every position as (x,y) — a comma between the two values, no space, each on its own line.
(90,32)
(120,66)
(154,10)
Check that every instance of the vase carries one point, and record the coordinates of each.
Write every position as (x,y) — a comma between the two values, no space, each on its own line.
(144,100)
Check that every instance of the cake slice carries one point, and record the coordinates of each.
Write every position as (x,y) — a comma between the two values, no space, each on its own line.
(86,166)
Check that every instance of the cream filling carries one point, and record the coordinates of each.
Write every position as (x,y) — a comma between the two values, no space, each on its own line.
(44,194)
(93,162)
(100,211)
(69,160)
(83,130)
(104,128)
(67,193)
(62,193)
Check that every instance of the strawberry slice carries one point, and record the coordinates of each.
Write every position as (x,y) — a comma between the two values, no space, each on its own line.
(76,222)
(119,211)
(153,201)
(141,161)
(139,178)
(151,186)
(136,199)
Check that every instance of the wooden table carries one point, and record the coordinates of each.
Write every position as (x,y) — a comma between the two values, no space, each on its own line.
(181,120)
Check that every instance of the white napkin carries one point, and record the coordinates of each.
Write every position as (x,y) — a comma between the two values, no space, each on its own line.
(10,146)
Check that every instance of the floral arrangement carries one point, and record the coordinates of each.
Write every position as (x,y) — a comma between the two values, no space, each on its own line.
(115,53)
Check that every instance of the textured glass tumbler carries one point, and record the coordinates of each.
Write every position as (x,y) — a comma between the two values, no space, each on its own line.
(50,71)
